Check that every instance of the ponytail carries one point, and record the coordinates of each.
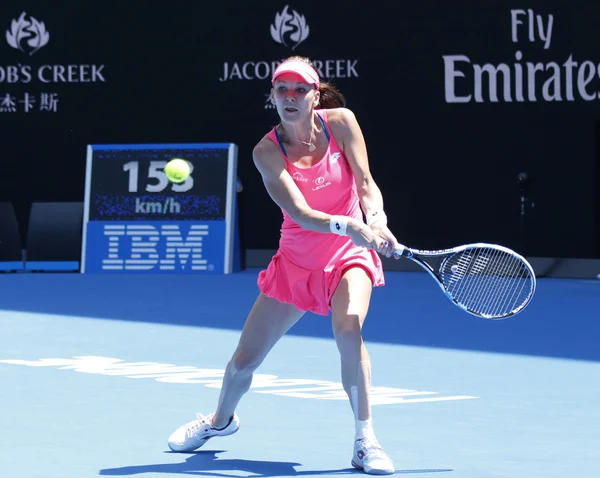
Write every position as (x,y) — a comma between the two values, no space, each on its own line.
(330,97)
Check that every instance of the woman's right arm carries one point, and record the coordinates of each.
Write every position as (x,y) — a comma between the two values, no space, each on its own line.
(283,190)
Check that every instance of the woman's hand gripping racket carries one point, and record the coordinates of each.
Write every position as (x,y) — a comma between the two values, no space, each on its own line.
(486,280)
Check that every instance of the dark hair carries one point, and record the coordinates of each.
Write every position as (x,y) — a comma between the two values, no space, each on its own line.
(330,95)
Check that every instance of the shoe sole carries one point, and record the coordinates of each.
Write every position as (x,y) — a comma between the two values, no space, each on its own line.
(372,472)
(189,450)
(204,440)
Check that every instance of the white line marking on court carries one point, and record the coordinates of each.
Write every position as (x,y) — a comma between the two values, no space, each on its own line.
(209,377)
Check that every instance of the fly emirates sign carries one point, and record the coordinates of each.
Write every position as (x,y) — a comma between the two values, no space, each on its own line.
(522,79)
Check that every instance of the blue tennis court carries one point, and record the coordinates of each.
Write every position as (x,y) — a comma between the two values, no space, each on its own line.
(98,370)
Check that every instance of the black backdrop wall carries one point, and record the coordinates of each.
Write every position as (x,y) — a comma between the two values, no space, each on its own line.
(455,100)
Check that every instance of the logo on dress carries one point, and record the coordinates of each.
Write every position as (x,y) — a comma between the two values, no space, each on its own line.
(334,157)
(321,183)
(298,177)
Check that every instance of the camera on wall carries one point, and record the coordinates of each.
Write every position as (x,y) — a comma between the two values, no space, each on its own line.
(523,181)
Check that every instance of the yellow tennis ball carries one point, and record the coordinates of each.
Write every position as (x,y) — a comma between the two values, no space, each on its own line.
(177,170)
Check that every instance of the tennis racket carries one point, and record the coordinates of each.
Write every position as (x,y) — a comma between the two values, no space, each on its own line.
(486,280)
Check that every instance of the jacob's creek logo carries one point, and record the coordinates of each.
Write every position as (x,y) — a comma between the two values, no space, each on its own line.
(289,29)
(28,35)
(519,80)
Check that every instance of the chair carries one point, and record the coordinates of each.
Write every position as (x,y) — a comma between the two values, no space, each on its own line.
(54,236)
(11,249)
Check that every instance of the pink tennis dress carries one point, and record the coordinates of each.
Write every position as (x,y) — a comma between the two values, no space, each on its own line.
(308,265)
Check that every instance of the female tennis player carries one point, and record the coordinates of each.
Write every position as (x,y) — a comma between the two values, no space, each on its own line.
(314,166)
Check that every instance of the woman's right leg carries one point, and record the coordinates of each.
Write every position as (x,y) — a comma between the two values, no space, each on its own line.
(267,322)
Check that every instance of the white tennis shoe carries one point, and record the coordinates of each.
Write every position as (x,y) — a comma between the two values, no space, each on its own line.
(193,435)
(370,458)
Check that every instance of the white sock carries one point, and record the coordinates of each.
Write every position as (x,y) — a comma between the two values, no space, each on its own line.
(363,429)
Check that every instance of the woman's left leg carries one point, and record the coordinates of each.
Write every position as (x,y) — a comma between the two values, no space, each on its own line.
(350,304)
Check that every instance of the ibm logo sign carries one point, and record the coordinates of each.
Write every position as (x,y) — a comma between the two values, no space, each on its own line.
(147,247)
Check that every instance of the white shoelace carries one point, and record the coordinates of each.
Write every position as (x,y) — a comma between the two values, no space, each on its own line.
(196,425)
(372,449)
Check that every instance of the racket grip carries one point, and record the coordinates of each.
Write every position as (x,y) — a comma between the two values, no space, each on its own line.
(399,252)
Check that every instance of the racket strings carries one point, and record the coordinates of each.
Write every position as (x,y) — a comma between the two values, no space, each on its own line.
(490,291)
(489,300)
(494,290)
(488,281)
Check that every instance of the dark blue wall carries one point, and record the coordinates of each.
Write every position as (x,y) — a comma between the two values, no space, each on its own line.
(447,169)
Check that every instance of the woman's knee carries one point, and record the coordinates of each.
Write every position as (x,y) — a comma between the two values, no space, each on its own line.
(243,363)
(347,332)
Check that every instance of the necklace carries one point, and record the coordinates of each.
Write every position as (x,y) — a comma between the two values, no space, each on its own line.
(310,144)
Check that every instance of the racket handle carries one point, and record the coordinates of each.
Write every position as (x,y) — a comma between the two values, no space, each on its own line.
(399,252)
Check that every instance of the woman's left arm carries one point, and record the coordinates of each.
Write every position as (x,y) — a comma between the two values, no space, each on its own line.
(349,135)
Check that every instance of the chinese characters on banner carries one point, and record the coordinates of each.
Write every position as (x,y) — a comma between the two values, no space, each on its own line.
(28,103)
(28,35)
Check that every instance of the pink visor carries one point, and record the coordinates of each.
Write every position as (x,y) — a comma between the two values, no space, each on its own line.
(300,68)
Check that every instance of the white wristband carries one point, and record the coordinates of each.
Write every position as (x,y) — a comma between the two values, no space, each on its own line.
(376,216)
(338,225)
